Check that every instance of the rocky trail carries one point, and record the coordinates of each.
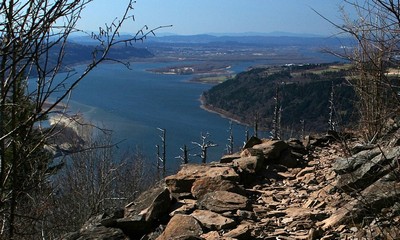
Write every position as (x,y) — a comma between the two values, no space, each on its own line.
(313,189)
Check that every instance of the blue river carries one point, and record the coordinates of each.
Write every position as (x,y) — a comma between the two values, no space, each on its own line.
(135,102)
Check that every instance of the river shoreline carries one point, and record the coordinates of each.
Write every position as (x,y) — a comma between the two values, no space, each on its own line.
(220,112)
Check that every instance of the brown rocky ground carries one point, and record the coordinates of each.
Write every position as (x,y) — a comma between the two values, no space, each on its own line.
(321,188)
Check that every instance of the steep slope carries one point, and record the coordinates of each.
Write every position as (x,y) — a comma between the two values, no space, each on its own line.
(270,190)
(304,94)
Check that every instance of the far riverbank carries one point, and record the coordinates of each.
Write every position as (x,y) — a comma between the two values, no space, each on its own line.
(222,113)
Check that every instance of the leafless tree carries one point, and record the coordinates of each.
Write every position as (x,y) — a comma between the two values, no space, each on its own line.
(375,31)
(230,145)
(204,145)
(256,122)
(95,180)
(276,123)
(161,159)
(302,130)
(185,155)
(33,42)
(331,121)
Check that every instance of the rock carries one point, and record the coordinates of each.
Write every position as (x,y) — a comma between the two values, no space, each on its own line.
(184,206)
(214,235)
(140,215)
(181,183)
(222,201)
(379,195)
(150,205)
(242,232)
(368,172)
(272,149)
(210,184)
(311,142)
(362,147)
(94,229)
(102,219)
(297,146)
(212,220)
(246,215)
(96,234)
(251,142)
(250,164)
(287,159)
(229,158)
(349,164)
(305,171)
(251,152)
(135,228)
(182,227)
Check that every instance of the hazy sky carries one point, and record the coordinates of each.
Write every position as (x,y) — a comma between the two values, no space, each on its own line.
(219,16)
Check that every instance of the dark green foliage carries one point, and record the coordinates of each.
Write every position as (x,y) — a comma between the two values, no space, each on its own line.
(304,96)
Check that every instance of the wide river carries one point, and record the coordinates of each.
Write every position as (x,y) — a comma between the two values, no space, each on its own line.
(134,103)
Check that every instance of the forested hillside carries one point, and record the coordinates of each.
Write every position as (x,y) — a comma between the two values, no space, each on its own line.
(304,94)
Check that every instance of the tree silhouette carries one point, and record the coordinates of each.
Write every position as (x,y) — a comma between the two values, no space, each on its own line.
(204,145)
(33,42)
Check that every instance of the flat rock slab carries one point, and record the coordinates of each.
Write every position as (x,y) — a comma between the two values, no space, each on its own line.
(182,227)
(205,185)
(272,149)
(252,164)
(212,220)
(368,172)
(223,201)
(243,231)
(182,181)
(229,158)
(349,164)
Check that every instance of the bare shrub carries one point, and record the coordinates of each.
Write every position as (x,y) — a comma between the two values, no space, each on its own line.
(97,179)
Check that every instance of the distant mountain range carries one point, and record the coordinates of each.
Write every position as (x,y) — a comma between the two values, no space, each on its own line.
(275,38)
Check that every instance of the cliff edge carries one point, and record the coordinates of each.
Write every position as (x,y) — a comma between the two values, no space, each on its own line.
(326,187)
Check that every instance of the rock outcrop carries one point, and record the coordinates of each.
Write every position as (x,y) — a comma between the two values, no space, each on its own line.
(270,190)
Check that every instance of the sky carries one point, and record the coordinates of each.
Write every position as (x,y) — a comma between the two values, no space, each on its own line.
(190,17)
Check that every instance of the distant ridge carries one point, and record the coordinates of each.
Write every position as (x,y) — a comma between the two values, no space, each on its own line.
(281,38)
(274,39)
(269,34)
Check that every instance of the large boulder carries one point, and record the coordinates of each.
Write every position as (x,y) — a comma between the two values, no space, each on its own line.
(252,142)
(212,220)
(272,149)
(142,214)
(181,183)
(223,201)
(349,164)
(311,142)
(369,171)
(94,229)
(297,146)
(205,185)
(150,205)
(287,159)
(252,164)
(182,227)
(229,158)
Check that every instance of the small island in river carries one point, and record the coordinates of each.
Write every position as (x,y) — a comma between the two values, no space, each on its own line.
(203,72)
